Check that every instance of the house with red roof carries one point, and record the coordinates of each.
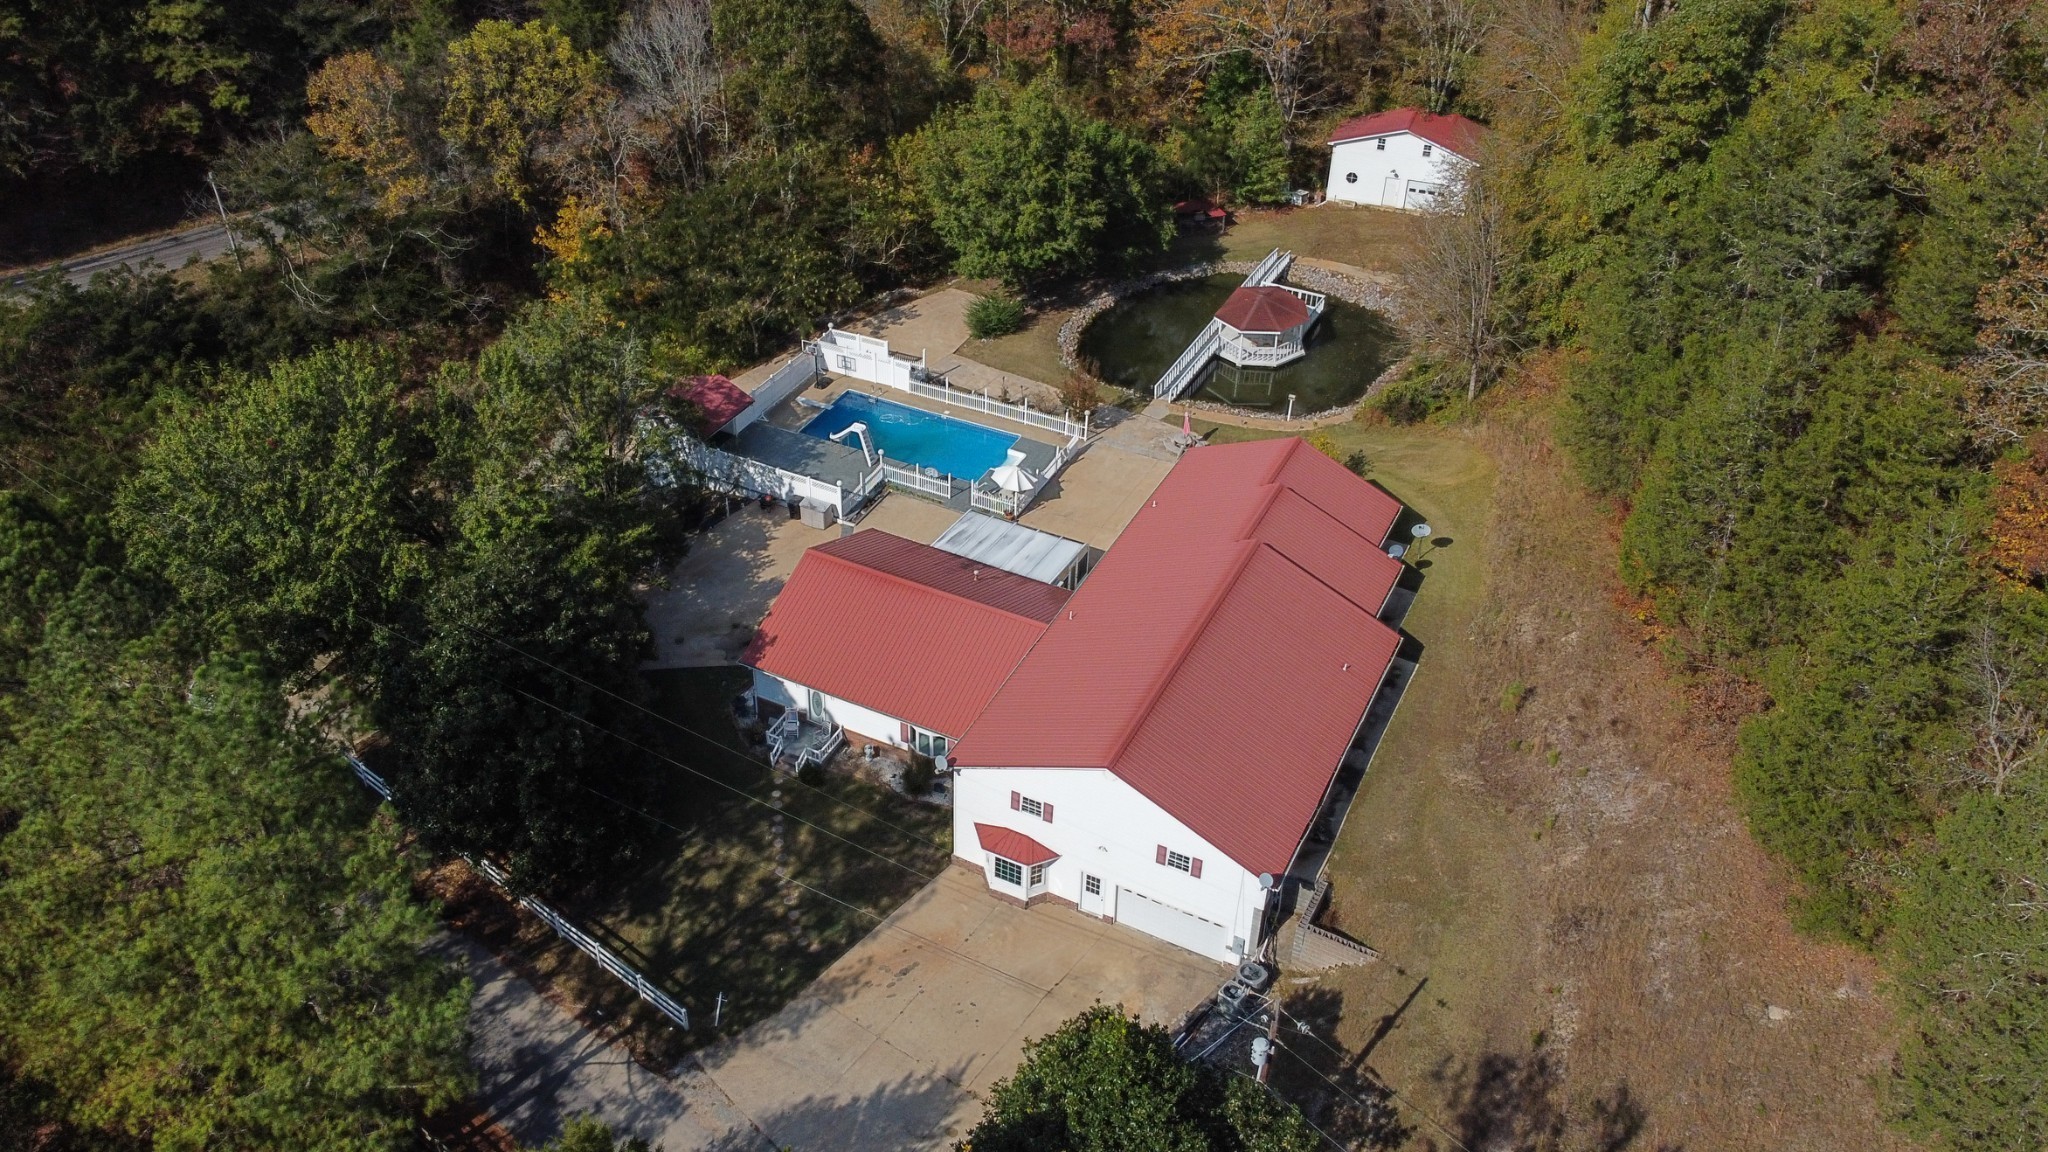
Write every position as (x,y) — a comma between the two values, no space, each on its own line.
(1157,747)
(893,642)
(1405,158)
(1163,752)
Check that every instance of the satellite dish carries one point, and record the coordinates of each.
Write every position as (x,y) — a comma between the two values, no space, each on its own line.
(1419,531)
(941,763)
(1397,550)
(1266,880)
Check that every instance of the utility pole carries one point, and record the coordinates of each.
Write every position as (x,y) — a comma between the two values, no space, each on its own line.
(1262,1046)
(222,208)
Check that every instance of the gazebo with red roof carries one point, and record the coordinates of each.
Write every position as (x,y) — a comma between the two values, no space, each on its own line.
(1267,325)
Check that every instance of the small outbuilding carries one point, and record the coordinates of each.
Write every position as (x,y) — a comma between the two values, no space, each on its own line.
(1405,158)
(716,400)
(1267,325)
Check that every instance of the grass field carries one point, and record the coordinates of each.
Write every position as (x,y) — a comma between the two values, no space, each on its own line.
(708,912)
(1583,945)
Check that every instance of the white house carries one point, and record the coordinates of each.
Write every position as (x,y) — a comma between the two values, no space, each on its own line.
(1161,753)
(1406,158)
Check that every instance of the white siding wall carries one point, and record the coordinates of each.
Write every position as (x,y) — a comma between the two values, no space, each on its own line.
(865,723)
(1384,177)
(1103,826)
(864,358)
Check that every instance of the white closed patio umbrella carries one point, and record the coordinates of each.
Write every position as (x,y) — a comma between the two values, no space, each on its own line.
(1013,478)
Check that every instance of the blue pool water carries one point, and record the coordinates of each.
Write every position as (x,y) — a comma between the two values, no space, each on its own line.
(913,436)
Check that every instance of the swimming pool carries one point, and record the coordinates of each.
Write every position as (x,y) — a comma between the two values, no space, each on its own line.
(915,436)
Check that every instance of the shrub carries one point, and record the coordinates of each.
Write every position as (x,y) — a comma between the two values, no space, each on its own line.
(917,779)
(812,774)
(1080,392)
(1413,398)
(992,316)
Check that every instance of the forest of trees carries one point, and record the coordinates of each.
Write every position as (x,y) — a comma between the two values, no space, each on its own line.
(378,473)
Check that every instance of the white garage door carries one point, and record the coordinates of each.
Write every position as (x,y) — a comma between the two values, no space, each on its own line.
(1171,924)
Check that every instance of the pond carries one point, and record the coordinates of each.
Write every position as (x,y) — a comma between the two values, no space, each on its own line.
(1138,339)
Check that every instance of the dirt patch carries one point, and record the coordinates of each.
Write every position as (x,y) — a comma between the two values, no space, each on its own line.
(1584,946)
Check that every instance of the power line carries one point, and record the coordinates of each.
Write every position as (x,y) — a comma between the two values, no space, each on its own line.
(508,645)
(1304,1062)
(1268,1088)
(742,793)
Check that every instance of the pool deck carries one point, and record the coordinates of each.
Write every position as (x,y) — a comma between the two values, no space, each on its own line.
(778,441)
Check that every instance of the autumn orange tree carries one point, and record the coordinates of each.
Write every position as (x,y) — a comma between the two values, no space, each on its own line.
(2010,369)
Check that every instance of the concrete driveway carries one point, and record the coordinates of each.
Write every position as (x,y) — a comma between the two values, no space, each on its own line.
(892,1047)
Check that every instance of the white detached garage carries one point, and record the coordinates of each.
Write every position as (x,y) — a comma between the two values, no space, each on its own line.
(1405,158)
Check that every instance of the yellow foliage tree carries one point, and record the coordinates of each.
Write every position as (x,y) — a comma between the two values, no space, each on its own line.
(354,101)
(2018,551)
(510,85)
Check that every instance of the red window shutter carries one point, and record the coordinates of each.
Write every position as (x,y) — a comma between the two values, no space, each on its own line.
(904,726)
(1195,868)
(1016,801)
(1162,854)
(1048,813)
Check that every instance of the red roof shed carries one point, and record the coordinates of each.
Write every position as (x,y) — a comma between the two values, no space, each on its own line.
(717,398)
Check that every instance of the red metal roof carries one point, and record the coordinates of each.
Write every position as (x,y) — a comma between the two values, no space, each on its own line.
(718,398)
(1263,309)
(1454,132)
(1013,845)
(1222,654)
(902,628)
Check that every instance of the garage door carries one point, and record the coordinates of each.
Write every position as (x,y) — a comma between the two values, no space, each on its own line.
(1169,923)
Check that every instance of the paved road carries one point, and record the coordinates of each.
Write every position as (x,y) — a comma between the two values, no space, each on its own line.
(172,250)
(537,1066)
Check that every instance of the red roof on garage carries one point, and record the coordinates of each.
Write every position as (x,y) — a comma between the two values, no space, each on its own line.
(1221,656)
(900,627)
(718,398)
(1012,845)
(1263,309)
(1454,132)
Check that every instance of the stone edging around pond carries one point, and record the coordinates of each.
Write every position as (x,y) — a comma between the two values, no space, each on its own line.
(1349,289)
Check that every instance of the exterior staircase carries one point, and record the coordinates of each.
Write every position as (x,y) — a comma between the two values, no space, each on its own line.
(1313,948)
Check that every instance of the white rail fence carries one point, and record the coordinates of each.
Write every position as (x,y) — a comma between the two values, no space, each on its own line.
(725,471)
(916,481)
(608,960)
(1024,413)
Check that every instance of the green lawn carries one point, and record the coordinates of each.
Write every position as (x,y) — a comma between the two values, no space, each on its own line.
(707,913)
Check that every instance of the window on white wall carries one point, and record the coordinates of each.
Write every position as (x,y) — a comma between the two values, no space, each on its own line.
(1038,875)
(1036,809)
(1351,177)
(1192,865)
(1009,871)
(1093,884)
(1176,860)
(1380,144)
(1428,148)
(928,743)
